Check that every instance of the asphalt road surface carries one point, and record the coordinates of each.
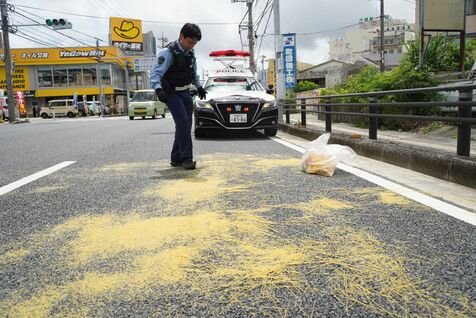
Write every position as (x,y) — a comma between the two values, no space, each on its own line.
(118,232)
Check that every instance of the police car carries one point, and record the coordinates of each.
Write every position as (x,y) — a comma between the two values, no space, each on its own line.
(235,99)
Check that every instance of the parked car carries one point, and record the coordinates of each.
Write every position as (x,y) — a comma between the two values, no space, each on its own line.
(59,108)
(4,109)
(145,103)
(95,108)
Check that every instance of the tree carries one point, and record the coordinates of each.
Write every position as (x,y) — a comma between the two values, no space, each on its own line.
(305,86)
(404,76)
(441,54)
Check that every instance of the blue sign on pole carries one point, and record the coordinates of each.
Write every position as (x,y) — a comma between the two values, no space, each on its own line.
(289,50)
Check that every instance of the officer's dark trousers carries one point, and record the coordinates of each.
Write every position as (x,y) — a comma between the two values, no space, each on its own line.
(181,108)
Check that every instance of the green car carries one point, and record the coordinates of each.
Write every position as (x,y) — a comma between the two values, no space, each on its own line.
(145,103)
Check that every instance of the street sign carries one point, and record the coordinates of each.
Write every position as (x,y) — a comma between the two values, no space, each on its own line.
(289,49)
(143,64)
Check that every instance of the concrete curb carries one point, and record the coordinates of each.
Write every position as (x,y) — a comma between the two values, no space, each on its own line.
(438,164)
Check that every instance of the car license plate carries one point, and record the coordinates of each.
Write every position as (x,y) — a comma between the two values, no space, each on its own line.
(139,111)
(238,118)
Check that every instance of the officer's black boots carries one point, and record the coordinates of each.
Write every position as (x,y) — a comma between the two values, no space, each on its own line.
(189,164)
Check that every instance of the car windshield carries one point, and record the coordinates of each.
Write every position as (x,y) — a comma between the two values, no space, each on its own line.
(227,84)
(143,96)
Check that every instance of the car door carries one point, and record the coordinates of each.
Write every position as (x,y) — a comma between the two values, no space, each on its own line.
(56,108)
(158,106)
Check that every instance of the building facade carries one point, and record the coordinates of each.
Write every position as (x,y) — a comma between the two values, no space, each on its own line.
(333,72)
(470,16)
(43,74)
(364,40)
(271,71)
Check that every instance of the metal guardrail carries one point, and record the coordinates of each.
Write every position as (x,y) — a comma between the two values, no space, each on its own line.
(463,118)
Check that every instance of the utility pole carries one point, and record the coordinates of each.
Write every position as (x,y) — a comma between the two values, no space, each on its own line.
(98,76)
(251,38)
(127,87)
(421,33)
(278,63)
(262,74)
(163,39)
(382,36)
(8,63)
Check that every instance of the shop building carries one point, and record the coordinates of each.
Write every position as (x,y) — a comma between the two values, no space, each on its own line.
(44,74)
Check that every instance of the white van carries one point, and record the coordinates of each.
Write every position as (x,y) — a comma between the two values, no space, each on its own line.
(59,108)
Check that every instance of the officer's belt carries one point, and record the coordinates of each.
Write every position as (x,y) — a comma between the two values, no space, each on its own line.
(182,88)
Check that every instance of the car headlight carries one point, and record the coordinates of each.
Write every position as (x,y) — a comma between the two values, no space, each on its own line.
(269,105)
(205,105)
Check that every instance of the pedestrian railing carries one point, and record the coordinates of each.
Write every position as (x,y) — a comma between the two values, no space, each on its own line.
(463,117)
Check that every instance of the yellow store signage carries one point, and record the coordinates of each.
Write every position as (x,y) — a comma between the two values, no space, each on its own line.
(68,55)
(19,78)
(125,30)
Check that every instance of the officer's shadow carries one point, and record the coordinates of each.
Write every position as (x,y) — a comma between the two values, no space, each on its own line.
(176,173)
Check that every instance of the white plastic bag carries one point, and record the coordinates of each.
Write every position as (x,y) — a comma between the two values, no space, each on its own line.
(321,158)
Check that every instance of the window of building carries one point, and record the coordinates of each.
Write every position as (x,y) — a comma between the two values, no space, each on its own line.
(105,75)
(89,75)
(398,28)
(45,76)
(470,7)
(60,76)
(75,77)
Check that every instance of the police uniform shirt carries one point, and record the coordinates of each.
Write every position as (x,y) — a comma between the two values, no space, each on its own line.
(164,61)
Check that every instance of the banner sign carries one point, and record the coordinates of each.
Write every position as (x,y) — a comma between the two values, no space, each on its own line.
(289,50)
(21,101)
(126,34)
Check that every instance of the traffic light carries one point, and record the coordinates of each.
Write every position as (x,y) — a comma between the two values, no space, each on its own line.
(58,24)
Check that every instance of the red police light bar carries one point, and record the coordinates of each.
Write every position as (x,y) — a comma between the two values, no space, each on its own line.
(229,53)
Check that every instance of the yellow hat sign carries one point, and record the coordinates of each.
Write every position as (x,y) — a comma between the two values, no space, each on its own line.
(125,30)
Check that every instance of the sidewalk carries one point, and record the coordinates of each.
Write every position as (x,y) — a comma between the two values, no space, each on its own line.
(443,139)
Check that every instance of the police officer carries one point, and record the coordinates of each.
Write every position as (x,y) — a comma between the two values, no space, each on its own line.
(171,77)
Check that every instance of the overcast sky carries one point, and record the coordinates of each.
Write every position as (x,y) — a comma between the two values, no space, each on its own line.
(218,20)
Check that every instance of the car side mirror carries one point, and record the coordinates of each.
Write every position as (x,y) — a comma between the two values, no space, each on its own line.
(270,91)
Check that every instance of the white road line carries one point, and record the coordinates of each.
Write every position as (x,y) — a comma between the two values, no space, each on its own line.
(14,185)
(449,209)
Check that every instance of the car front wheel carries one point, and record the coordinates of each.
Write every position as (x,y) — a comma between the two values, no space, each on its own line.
(70,115)
(154,116)
(270,132)
(131,117)
(199,133)
(44,115)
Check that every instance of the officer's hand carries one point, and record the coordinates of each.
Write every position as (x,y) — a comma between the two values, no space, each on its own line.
(202,94)
(162,95)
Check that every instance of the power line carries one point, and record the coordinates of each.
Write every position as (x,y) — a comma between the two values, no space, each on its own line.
(106,18)
(49,28)
(115,56)
(265,28)
(35,15)
(321,32)
(35,31)
(268,5)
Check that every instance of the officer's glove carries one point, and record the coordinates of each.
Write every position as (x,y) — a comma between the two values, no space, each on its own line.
(162,95)
(202,94)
